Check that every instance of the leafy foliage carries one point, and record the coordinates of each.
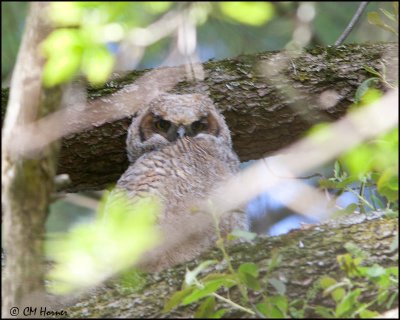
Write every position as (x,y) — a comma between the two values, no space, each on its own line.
(360,279)
(91,253)
(392,18)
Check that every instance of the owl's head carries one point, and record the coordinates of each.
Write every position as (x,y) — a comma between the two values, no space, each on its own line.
(171,117)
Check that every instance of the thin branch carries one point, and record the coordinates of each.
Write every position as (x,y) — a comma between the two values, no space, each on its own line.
(352,23)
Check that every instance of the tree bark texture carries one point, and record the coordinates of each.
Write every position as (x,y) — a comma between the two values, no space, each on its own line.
(307,254)
(269,100)
(26,181)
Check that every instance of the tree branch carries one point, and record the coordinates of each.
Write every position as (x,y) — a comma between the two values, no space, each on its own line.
(269,100)
(307,254)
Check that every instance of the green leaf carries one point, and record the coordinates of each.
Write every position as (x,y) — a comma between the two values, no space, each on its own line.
(388,184)
(250,268)
(389,15)
(355,250)
(66,13)
(248,273)
(320,133)
(338,294)
(368,314)
(326,282)
(372,71)
(190,276)
(61,68)
(206,309)
(364,87)
(218,314)
(336,170)
(63,48)
(252,13)
(348,303)
(236,233)
(280,302)
(274,262)
(115,241)
(351,208)
(374,18)
(157,7)
(97,64)
(209,287)
(324,312)
(250,281)
(274,307)
(177,298)
(375,271)
(358,160)
(279,286)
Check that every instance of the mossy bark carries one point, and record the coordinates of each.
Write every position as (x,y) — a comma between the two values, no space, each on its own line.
(307,254)
(27,181)
(269,100)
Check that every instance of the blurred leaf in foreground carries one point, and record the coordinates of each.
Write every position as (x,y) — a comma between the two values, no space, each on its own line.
(89,254)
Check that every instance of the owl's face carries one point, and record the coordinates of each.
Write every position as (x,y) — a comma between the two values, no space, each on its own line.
(171,117)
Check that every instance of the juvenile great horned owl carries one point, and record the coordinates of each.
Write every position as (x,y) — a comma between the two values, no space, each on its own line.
(180,149)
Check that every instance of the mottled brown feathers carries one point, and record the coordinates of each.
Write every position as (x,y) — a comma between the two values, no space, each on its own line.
(180,171)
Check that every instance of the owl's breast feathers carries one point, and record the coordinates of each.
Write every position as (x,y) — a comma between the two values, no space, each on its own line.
(180,172)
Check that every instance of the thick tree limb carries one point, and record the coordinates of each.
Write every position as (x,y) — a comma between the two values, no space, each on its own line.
(269,100)
(307,254)
(27,181)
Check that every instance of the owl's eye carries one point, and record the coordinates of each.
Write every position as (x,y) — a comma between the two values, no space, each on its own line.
(198,126)
(162,125)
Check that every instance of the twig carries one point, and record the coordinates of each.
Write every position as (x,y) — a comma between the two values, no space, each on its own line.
(352,23)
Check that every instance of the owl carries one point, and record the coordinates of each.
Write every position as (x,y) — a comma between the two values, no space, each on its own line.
(180,149)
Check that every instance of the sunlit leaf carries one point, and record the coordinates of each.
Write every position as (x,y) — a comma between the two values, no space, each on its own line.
(364,87)
(370,96)
(63,48)
(209,288)
(249,236)
(388,184)
(320,133)
(252,13)
(65,13)
(116,240)
(338,294)
(157,7)
(61,68)
(97,64)
(375,271)
(325,282)
(190,276)
(368,314)
(358,160)
(348,303)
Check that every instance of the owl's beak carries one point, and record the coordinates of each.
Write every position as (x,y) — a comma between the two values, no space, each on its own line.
(181,132)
